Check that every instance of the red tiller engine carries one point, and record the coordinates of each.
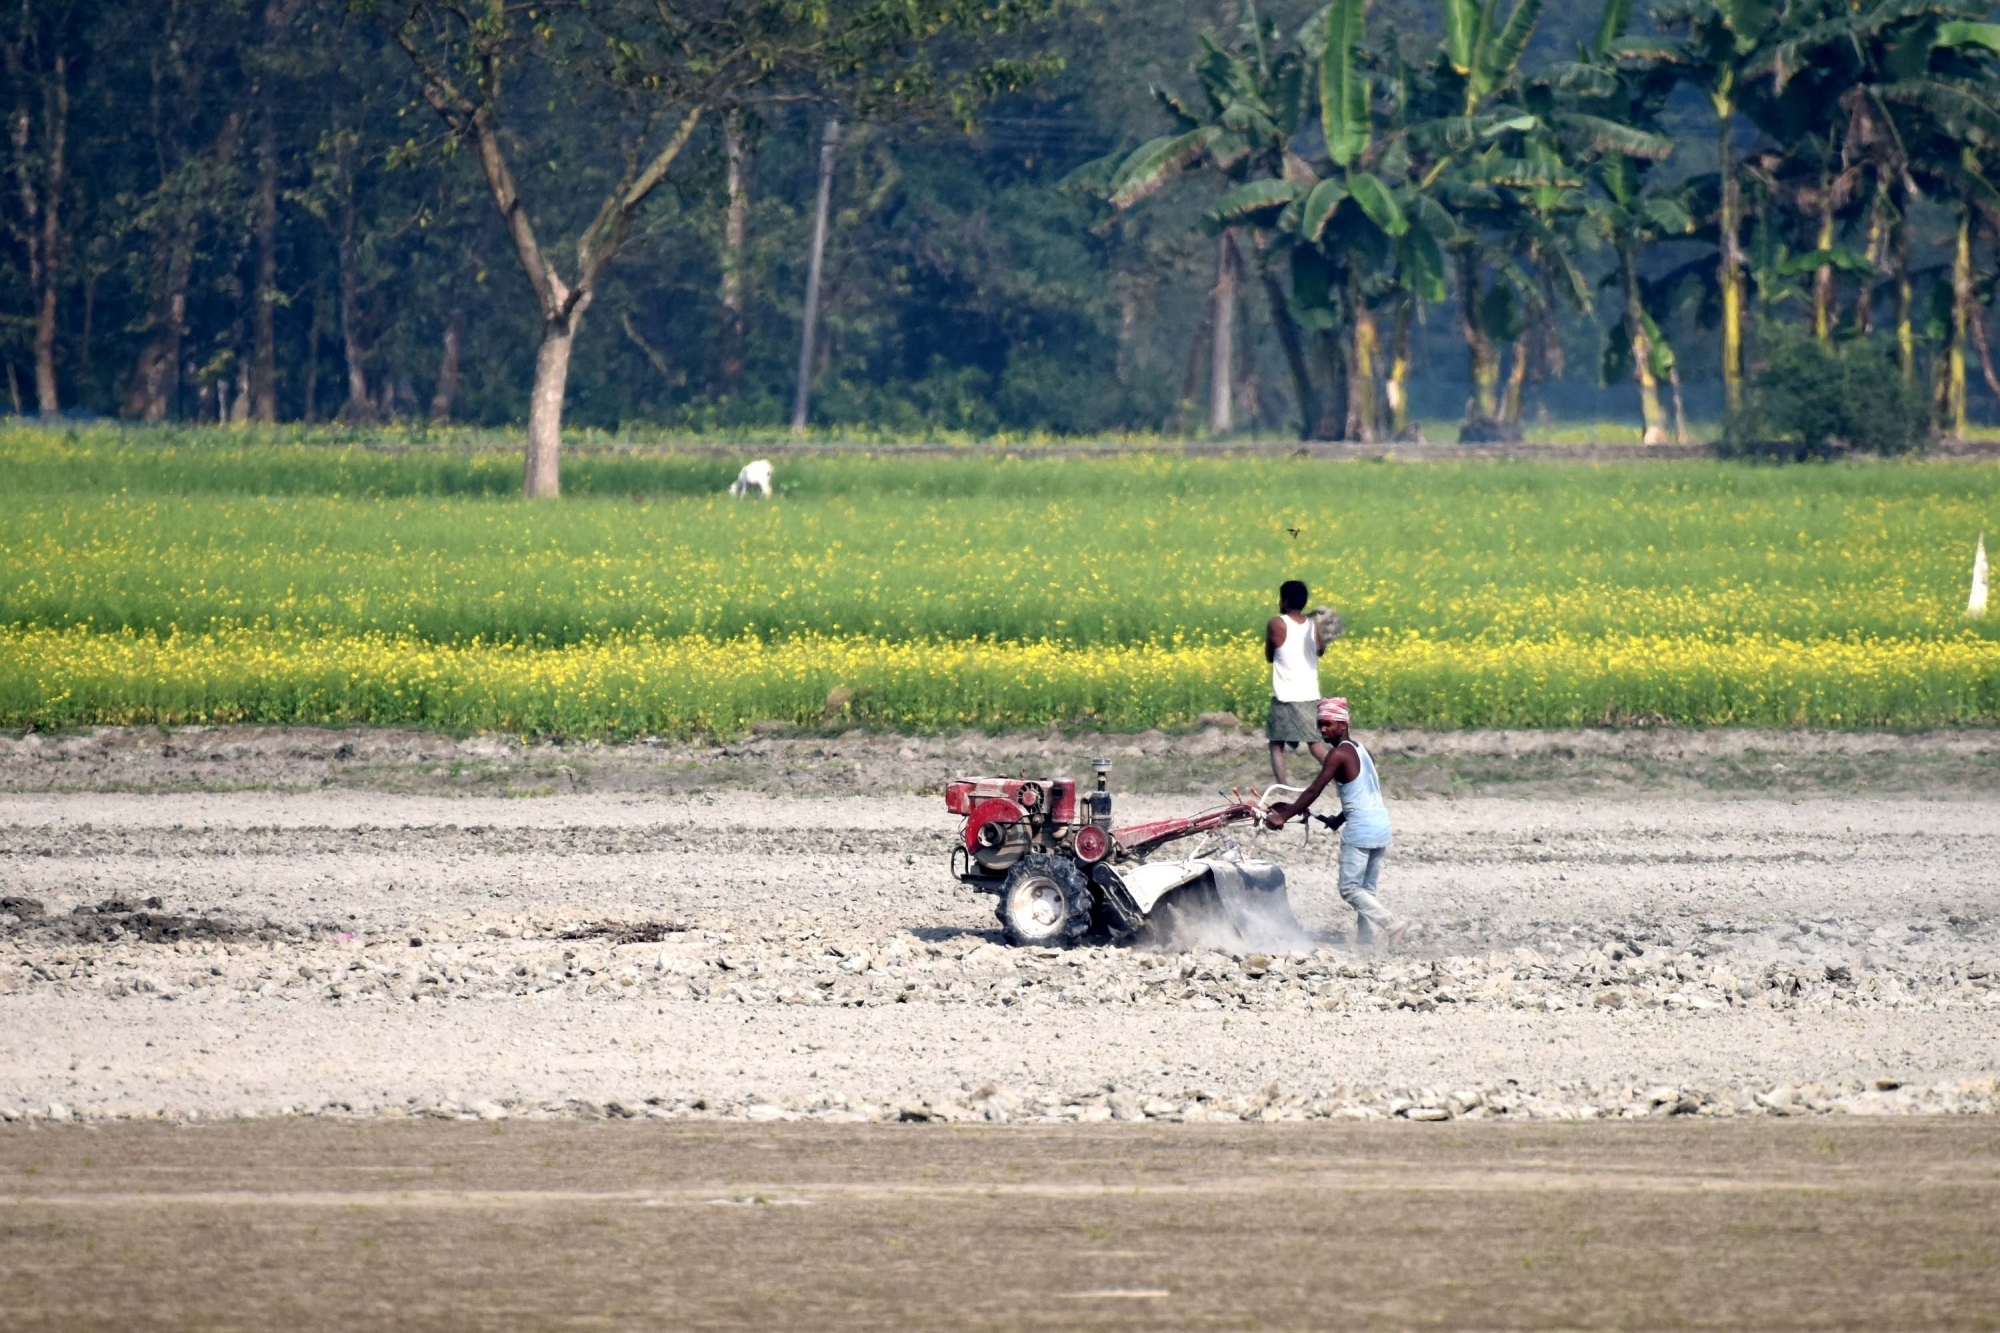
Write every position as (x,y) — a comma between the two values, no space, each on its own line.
(1042,841)
(1008,818)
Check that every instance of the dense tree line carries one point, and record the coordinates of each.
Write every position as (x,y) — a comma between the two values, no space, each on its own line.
(1062,217)
(1368,174)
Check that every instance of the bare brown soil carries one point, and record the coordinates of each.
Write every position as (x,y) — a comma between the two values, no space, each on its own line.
(312,1225)
(371,1029)
(769,931)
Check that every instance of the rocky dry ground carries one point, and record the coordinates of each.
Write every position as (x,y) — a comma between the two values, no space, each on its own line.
(1618,924)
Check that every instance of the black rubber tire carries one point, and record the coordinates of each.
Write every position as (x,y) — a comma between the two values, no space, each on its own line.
(1045,902)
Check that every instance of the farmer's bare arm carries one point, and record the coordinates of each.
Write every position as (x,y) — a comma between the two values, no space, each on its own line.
(1274,638)
(1340,765)
(1292,810)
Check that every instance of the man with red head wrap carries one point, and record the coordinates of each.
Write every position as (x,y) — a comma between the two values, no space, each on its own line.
(1364,820)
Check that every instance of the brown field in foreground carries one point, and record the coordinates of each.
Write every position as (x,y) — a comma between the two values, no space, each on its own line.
(317,1224)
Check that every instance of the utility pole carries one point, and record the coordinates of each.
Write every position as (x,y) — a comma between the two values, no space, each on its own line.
(828,146)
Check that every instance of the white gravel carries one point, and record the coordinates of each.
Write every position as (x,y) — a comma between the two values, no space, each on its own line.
(355,952)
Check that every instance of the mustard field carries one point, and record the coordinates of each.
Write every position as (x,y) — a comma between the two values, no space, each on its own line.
(186,577)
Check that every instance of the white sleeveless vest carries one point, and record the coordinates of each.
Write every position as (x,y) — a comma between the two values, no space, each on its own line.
(1295,668)
(1367,817)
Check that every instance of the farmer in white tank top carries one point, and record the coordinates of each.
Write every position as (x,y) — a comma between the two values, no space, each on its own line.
(1291,646)
(1364,821)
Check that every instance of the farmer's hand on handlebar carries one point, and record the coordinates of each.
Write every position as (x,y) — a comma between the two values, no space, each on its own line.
(1277,816)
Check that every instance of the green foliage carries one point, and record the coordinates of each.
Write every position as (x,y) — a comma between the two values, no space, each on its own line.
(976,284)
(1343,89)
(1813,400)
(1251,198)
(1501,316)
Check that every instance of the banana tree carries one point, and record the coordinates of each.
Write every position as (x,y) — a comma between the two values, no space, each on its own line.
(1253,102)
(1933,91)
(1827,138)
(1482,155)
(1629,217)
(1611,119)
(1361,235)
(1338,229)
(1715,46)
(1874,140)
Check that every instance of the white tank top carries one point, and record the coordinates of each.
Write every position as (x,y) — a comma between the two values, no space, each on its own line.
(1295,668)
(1367,817)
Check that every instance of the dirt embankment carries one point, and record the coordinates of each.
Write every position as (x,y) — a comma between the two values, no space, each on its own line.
(1688,761)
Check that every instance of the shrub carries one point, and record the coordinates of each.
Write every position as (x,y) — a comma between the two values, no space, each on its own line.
(1811,400)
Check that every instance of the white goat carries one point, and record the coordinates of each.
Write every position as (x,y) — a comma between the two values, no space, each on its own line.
(754,477)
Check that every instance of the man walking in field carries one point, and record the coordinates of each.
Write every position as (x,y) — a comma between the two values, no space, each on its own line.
(1364,821)
(1291,646)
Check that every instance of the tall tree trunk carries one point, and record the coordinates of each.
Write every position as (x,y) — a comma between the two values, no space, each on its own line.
(278,16)
(360,406)
(1551,362)
(1367,354)
(1397,385)
(1128,331)
(447,381)
(1730,275)
(264,295)
(1517,374)
(1650,410)
(545,407)
(1941,392)
(41,232)
(239,406)
(156,388)
(1906,332)
(48,281)
(735,231)
(1961,317)
(1680,409)
(309,389)
(1295,353)
(1222,343)
(829,147)
(1332,423)
(1483,356)
(56,121)
(1864,299)
(1822,306)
